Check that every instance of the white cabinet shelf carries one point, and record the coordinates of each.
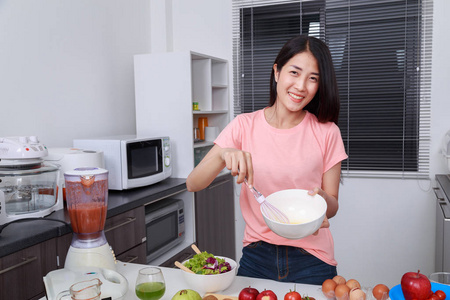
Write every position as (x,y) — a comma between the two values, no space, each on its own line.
(166,85)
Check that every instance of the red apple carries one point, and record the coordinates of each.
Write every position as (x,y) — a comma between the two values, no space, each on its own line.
(266,295)
(415,286)
(248,293)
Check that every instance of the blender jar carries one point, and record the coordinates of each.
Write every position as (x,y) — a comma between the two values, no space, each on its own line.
(87,201)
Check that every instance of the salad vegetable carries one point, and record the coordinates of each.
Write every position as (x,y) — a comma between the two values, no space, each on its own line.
(205,263)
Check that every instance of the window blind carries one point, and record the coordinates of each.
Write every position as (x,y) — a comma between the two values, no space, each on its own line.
(382,55)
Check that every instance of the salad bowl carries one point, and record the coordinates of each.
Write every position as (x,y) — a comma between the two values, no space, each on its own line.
(210,283)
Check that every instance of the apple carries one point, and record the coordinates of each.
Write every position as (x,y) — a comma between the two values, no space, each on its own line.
(415,286)
(266,295)
(248,293)
(187,295)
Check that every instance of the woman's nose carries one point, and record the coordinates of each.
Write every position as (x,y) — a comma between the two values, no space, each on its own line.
(300,84)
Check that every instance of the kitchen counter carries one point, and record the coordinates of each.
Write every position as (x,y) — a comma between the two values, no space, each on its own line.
(175,282)
(21,235)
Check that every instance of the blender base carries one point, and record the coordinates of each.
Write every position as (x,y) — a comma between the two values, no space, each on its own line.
(101,257)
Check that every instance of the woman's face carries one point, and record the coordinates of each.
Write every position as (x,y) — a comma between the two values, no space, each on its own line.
(297,82)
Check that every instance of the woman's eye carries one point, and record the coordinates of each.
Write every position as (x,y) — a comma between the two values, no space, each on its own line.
(294,72)
(315,79)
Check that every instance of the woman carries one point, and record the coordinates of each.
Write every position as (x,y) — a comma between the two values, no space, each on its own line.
(294,143)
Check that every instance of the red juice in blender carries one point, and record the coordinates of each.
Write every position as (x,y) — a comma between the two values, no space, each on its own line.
(87,201)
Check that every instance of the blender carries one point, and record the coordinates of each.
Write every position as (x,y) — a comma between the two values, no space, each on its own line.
(87,201)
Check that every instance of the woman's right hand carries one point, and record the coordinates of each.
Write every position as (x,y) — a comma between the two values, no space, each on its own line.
(239,163)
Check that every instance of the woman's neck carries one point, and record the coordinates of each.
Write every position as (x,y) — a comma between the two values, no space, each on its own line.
(282,118)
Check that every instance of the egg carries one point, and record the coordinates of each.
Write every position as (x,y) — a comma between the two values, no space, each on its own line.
(339,279)
(353,283)
(342,291)
(380,292)
(328,287)
(357,294)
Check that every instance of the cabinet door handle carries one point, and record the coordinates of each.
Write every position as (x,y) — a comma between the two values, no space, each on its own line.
(127,221)
(217,184)
(130,259)
(438,193)
(24,262)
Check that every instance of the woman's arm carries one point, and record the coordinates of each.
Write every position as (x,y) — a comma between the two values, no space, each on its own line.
(237,161)
(330,189)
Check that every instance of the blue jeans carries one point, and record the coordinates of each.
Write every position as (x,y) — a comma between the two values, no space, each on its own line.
(283,263)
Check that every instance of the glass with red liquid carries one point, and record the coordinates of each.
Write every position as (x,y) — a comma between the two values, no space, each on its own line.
(87,202)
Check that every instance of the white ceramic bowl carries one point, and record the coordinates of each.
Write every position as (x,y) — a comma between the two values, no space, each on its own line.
(211,283)
(440,277)
(305,213)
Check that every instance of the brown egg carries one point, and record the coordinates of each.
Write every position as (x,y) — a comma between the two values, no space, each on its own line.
(353,283)
(380,292)
(357,294)
(339,279)
(328,287)
(342,291)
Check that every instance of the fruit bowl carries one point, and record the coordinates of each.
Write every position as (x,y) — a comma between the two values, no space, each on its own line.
(396,292)
(305,213)
(211,283)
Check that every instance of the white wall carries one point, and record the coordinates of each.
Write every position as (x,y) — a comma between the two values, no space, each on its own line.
(67,67)
(67,72)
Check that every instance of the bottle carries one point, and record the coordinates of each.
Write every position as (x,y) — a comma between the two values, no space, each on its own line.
(202,123)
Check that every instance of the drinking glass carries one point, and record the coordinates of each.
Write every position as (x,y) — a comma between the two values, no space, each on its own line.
(150,284)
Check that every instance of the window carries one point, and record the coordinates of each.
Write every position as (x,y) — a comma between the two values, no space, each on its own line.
(382,56)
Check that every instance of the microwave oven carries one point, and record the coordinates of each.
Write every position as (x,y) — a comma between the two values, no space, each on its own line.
(165,228)
(132,161)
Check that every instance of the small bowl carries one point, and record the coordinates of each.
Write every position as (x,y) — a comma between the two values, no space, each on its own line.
(305,213)
(211,283)
(440,277)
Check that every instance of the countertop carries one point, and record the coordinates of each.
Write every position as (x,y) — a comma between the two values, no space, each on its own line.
(175,282)
(18,236)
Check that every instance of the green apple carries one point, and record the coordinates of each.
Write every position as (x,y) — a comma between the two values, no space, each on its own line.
(187,295)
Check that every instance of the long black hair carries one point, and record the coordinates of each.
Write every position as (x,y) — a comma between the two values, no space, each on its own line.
(325,104)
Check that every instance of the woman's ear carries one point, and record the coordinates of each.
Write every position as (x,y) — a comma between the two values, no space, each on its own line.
(275,72)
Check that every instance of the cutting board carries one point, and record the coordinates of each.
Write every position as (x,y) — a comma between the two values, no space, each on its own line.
(218,296)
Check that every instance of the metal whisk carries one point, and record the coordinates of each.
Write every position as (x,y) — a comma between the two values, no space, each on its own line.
(269,210)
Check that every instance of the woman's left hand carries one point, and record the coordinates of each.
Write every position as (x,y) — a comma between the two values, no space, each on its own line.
(325,224)
(320,192)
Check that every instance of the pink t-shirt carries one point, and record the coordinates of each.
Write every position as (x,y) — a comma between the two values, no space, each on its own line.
(294,158)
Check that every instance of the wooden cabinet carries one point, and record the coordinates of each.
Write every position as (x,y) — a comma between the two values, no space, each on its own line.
(125,233)
(215,222)
(21,273)
(166,85)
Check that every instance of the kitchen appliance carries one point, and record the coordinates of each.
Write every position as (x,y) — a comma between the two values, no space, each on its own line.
(442,193)
(132,161)
(113,285)
(87,201)
(445,150)
(70,158)
(28,186)
(165,227)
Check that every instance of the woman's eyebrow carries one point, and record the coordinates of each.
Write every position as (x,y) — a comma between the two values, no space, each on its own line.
(300,69)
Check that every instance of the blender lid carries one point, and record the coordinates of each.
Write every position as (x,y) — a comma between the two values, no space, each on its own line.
(86,171)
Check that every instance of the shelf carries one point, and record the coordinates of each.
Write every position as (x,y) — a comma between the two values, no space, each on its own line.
(203,144)
(209,112)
